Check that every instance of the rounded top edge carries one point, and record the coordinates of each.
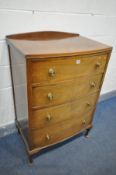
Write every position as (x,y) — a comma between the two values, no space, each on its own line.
(42,35)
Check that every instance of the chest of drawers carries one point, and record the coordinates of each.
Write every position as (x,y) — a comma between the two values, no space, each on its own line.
(56,78)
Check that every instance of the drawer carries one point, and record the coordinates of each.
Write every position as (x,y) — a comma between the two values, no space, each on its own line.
(60,93)
(49,116)
(63,69)
(61,131)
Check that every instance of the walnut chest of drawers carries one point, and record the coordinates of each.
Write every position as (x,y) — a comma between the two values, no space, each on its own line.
(56,78)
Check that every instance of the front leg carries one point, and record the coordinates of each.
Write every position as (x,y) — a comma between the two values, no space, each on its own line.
(86,134)
(30,159)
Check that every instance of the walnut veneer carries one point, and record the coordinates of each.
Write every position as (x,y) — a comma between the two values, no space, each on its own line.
(56,78)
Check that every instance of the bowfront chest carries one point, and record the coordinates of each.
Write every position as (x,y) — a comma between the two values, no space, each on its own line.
(56,78)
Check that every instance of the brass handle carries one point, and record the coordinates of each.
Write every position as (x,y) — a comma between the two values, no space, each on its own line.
(52,72)
(98,64)
(88,104)
(92,84)
(49,117)
(47,137)
(50,96)
(84,122)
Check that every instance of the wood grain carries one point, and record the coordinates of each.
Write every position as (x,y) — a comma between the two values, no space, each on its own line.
(51,43)
(69,68)
(59,131)
(49,116)
(64,92)
(64,76)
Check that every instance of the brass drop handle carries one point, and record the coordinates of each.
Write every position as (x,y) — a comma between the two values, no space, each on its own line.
(98,64)
(51,72)
(50,96)
(92,84)
(48,117)
(84,122)
(47,137)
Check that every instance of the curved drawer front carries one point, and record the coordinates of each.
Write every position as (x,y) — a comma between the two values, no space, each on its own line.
(61,131)
(49,116)
(66,91)
(63,69)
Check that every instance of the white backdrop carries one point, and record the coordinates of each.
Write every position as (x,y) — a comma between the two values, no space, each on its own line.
(92,18)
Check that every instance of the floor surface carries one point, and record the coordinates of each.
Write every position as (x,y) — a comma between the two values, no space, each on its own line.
(79,156)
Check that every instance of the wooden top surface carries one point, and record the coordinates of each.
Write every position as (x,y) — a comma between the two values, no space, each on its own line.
(50,44)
